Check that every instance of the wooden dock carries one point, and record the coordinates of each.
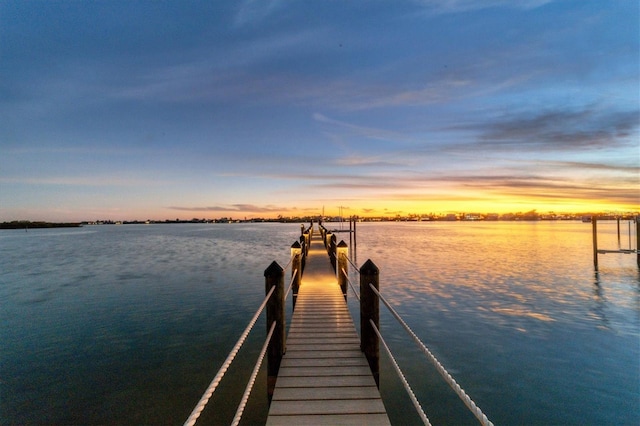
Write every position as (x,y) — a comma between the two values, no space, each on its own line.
(324,378)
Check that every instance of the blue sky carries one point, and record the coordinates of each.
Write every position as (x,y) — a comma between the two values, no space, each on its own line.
(163,109)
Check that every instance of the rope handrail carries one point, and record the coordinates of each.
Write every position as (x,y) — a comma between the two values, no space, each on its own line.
(288,263)
(293,277)
(252,379)
(406,385)
(439,367)
(351,285)
(193,417)
(356,267)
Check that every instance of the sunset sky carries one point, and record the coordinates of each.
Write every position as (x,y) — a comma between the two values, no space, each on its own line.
(179,109)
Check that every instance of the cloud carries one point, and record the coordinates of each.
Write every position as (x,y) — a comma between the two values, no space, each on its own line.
(366,131)
(458,6)
(252,11)
(560,130)
(84,181)
(244,208)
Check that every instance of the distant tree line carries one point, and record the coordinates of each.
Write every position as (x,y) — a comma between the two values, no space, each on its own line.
(25,224)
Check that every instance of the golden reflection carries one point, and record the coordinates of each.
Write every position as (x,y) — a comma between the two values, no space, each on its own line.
(519,312)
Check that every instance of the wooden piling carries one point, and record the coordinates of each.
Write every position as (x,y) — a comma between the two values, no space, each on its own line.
(296,270)
(638,240)
(342,252)
(274,276)
(355,240)
(332,252)
(594,232)
(370,309)
(327,239)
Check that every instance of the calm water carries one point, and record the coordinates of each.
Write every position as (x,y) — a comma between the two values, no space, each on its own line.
(128,324)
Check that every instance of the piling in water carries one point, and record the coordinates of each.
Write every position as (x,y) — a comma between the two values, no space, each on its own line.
(370,310)
(274,276)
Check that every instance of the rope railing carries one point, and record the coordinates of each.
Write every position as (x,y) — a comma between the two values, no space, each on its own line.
(288,263)
(252,379)
(293,278)
(406,385)
(477,412)
(356,267)
(355,293)
(193,417)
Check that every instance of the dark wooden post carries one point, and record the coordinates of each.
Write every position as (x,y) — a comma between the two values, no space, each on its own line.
(370,309)
(355,240)
(274,276)
(638,239)
(296,268)
(303,252)
(327,240)
(307,242)
(594,232)
(332,251)
(618,221)
(342,253)
(351,221)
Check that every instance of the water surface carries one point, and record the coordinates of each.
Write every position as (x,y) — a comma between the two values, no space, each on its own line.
(128,324)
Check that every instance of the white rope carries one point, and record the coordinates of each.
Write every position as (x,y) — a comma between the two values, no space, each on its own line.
(193,417)
(354,265)
(351,285)
(293,277)
(443,372)
(252,379)
(416,404)
(289,263)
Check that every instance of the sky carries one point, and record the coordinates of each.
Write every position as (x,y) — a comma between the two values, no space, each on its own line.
(134,110)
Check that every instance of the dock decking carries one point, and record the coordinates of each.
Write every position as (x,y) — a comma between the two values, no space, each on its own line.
(324,378)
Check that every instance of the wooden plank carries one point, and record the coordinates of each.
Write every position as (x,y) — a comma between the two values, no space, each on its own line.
(341,370)
(331,419)
(302,394)
(306,354)
(332,406)
(325,362)
(327,381)
(336,340)
(319,347)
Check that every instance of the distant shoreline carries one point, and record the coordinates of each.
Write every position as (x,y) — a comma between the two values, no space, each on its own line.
(37,225)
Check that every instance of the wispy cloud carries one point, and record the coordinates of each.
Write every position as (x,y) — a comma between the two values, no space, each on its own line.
(232,208)
(83,181)
(458,6)
(366,131)
(557,130)
(252,11)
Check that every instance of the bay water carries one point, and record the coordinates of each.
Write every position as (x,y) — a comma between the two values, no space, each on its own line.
(129,324)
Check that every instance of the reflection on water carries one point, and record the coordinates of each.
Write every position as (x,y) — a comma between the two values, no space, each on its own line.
(513,310)
(129,324)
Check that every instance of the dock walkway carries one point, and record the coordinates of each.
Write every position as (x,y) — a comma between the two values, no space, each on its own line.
(324,378)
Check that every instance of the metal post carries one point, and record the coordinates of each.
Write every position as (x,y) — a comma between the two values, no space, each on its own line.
(594,230)
(342,253)
(370,309)
(296,268)
(274,276)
